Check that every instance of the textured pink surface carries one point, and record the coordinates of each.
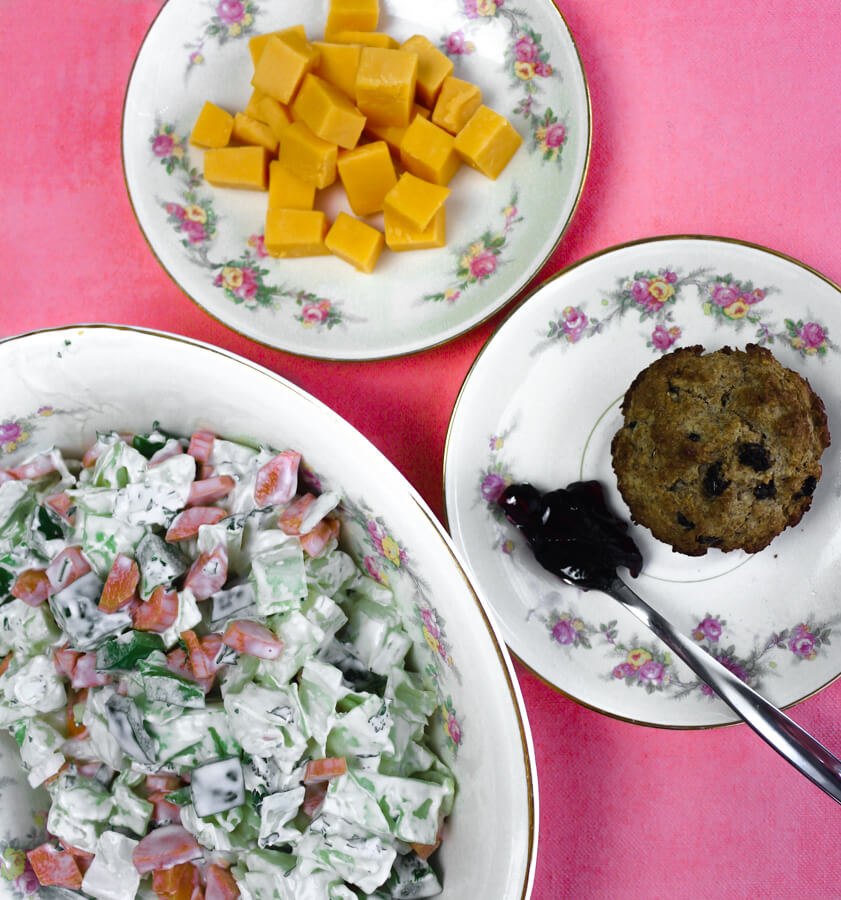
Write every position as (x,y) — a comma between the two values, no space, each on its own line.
(718,117)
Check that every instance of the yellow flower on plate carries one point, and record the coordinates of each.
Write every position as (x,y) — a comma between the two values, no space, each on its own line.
(195,213)
(232,277)
(486,7)
(234,29)
(524,70)
(638,657)
(433,641)
(247,19)
(737,310)
(660,289)
(391,550)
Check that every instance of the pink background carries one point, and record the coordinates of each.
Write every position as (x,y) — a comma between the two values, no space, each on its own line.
(717,117)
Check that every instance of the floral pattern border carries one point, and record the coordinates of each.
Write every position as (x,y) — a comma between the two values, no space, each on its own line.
(653,296)
(527,64)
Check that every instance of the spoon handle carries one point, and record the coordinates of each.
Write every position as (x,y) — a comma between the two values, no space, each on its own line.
(793,743)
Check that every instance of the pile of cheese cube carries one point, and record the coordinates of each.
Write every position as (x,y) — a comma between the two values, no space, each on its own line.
(312,104)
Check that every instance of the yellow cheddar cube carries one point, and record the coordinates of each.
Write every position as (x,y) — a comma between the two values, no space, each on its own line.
(328,112)
(393,134)
(307,155)
(429,152)
(338,64)
(399,236)
(355,242)
(367,175)
(237,167)
(295,232)
(251,131)
(282,65)
(274,114)
(287,191)
(433,67)
(365,38)
(257,44)
(253,103)
(352,15)
(213,127)
(385,85)
(487,142)
(414,200)
(456,103)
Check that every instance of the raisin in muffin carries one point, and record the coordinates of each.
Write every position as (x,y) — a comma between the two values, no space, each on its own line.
(719,449)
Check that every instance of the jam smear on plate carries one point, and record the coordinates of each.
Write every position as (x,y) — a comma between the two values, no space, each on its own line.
(572,532)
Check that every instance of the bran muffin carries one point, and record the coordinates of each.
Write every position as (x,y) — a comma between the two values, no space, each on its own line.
(719,449)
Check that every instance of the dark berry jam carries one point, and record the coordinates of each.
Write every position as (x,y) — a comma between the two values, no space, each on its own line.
(572,532)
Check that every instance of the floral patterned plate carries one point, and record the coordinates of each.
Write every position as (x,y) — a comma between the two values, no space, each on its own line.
(499,232)
(63,385)
(542,403)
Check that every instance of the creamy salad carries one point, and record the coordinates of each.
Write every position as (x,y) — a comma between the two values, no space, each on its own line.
(213,693)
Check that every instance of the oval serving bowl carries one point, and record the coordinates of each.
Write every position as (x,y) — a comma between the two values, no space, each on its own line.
(62,385)
(499,233)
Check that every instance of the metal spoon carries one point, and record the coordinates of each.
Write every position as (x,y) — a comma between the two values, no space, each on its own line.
(574,536)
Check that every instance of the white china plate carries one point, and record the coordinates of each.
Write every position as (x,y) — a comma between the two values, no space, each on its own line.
(64,385)
(499,232)
(541,404)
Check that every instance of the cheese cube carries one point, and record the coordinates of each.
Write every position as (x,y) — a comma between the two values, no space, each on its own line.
(433,67)
(257,44)
(251,131)
(456,103)
(367,175)
(353,15)
(283,64)
(274,114)
(429,152)
(213,127)
(366,38)
(307,155)
(355,242)
(414,200)
(400,236)
(385,85)
(287,191)
(253,103)
(237,167)
(393,134)
(337,64)
(295,232)
(328,112)
(487,142)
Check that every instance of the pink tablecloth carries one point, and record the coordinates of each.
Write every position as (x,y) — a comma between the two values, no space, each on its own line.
(717,117)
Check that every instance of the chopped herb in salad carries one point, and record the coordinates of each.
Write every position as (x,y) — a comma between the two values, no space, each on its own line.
(213,693)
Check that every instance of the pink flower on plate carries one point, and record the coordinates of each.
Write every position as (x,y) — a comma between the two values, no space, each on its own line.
(731,664)
(564,632)
(163,145)
(27,882)
(175,209)
(724,294)
(258,243)
(483,265)
(663,338)
(555,135)
(651,672)
(812,335)
(492,487)
(315,313)
(543,69)
(453,729)
(708,628)
(231,11)
(456,44)
(526,50)
(802,642)
(575,321)
(623,670)
(430,622)
(10,431)
(195,231)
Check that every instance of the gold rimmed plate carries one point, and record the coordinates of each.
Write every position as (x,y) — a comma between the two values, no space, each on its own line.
(499,232)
